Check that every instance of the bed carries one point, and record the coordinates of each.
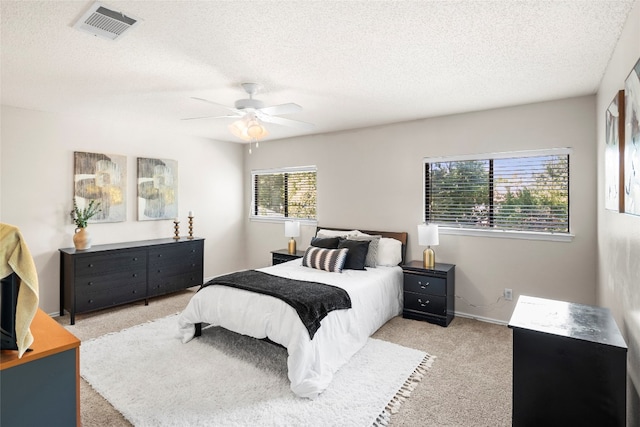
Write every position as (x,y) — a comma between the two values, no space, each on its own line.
(375,294)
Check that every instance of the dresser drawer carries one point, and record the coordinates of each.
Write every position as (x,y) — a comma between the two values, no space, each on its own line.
(280,258)
(108,297)
(109,263)
(163,284)
(97,283)
(169,269)
(176,254)
(425,303)
(425,284)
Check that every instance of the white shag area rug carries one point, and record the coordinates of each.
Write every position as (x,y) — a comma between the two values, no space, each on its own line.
(226,379)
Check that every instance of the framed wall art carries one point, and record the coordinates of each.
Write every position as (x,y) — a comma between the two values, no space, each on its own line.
(157,189)
(101,178)
(614,154)
(632,141)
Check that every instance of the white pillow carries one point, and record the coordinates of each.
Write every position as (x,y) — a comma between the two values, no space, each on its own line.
(333,233)
(389,252)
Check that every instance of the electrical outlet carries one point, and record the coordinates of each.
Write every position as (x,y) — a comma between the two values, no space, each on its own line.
(508,294)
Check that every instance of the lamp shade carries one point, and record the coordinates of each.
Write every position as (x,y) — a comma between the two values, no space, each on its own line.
(428,235)
(292,228)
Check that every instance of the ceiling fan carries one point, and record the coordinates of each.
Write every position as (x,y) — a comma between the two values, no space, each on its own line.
(251,112)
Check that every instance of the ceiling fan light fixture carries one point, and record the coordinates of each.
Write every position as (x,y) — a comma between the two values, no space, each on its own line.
(248,130)
(255,130)
(238,129)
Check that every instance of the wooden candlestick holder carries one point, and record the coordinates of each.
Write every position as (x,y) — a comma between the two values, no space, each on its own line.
(190,227)
(176,230)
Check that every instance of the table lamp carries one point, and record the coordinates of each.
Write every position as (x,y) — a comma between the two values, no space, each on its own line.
(292,229)
(428,236)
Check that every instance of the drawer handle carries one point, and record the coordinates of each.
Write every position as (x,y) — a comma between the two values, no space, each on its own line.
(159,271)
(193,251)
(135,274)
(90,301)
(159,255)
(90,283)
(423,304)
(135,258)
(90,265)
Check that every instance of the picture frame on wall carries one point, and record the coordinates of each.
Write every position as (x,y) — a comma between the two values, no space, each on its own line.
(157,189)
(101,178)
(632,141)
(614,154)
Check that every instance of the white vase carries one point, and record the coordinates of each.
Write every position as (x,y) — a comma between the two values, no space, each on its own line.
(82,239)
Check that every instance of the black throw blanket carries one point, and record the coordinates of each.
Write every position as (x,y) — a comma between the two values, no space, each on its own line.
(312,300)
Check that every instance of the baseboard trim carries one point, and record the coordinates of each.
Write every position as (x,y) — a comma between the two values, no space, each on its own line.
(482,318)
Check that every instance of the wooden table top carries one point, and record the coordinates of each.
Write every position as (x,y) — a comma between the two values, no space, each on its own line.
(49,337)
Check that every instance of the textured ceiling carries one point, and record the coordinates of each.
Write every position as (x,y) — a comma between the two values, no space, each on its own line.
(349,64)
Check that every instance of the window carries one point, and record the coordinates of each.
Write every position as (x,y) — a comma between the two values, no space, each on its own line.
(284,193)
(515,192)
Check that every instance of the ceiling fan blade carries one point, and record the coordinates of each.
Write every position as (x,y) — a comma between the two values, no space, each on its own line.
(284,122)
(219,105)
(277,110)
(230,116)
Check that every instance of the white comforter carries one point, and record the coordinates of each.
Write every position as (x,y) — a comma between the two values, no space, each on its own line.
(376,297)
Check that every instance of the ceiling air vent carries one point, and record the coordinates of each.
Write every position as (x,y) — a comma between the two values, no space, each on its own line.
(105,23)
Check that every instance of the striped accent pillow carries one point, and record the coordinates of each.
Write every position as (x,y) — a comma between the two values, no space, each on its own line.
(325,259)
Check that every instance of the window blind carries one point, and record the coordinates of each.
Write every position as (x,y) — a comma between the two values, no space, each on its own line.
(284,193)
(518,193)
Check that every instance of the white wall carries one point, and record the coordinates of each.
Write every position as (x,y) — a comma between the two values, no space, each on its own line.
(372,179)
(619,234)
(37,188)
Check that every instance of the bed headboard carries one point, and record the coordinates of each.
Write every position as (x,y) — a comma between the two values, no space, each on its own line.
(398,235)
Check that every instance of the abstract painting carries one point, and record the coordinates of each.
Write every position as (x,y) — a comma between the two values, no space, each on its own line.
(157,189)
(101,178)
(614,154)
(632,142)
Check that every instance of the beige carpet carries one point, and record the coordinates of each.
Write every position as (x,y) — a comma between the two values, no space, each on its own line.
(469,383)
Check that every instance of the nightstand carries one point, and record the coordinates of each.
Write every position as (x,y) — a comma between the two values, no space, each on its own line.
(283,255)
(429,294)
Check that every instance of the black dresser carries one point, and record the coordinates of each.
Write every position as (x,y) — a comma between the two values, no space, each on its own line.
(569,365)
(108,275)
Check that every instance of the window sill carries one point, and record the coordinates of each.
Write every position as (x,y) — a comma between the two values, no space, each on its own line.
(552,237)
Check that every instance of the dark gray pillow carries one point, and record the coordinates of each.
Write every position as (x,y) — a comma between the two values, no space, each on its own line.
(372,253)
(325,242)
(357,253)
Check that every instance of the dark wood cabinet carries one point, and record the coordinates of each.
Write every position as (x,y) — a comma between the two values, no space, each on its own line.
(283,255)
(114,274)
(569,365)
(429,294)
